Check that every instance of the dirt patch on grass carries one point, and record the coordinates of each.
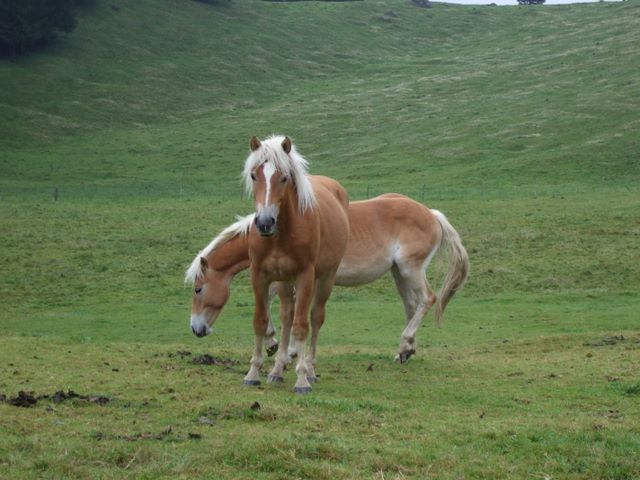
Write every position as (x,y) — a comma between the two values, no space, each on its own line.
(29,399)
(204,359)
(207,359)
(253,412)
(166,434)
(24,399)
(610,340)
(180,354)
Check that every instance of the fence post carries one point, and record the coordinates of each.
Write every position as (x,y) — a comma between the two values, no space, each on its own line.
(55,194)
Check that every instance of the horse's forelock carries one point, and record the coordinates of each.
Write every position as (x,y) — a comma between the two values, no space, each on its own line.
(194,272)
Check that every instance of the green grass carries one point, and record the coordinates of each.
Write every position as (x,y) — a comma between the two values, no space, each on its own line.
(519,123)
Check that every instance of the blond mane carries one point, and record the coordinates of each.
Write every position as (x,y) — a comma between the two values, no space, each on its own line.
(240,227)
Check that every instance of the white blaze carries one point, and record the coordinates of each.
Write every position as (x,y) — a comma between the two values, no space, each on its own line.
(269,170)
(267,209)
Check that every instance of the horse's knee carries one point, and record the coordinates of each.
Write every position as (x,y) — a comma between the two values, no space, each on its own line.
(300,332)
(260,327)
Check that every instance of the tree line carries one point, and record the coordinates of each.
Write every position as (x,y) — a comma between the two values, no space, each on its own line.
(26,25)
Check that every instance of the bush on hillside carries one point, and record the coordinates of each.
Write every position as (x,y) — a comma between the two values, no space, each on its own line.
(530,2)
(29,24)
(215,2)
(314,0)
(421,3)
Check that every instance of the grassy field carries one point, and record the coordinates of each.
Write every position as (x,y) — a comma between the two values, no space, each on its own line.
(521,124)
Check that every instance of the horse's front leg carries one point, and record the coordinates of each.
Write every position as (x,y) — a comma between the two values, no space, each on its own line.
(323,291)
(304,293)
(260,322)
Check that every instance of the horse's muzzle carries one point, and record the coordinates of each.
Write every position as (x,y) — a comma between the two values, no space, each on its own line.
(200,331)
(266,225)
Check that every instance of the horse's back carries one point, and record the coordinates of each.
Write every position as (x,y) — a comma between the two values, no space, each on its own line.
(333,186)
(390,225)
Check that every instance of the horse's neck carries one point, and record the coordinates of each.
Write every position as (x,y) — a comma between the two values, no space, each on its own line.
(288,215)
(231,257)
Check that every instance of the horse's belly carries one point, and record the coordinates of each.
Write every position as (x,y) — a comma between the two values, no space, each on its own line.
(360,273)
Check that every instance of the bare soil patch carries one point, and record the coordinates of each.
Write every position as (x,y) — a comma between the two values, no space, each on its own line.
(29,399)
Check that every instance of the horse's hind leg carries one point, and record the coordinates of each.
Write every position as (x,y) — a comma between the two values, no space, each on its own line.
(410,302)
(271,342)
(286,318)
(406,294)
(418,294)
(291,348)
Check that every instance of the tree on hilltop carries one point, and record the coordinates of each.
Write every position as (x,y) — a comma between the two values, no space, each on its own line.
(530,2)
(215,2)
(29,24)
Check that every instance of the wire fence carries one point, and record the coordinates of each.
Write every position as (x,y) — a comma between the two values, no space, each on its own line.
(421,192)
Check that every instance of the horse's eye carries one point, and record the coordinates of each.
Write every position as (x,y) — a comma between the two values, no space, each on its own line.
(283,179)
(253,176)
(198,290)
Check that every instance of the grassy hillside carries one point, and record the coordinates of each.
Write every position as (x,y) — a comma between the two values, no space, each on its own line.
(482,96)
(519,123)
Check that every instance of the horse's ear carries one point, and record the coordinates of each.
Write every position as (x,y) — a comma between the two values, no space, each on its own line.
(286,144)
(255,143)
(203,264)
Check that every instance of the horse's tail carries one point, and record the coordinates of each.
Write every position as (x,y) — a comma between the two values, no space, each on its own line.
(458,264)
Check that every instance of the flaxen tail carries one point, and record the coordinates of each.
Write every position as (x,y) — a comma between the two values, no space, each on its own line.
(458,265)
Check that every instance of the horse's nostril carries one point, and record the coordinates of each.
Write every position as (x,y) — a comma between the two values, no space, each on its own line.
(266,225)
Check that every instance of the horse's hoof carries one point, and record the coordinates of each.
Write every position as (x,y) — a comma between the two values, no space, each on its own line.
(293,354)
(271,351)
(312,379)
(252,383)
(302,390)
(275,379)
